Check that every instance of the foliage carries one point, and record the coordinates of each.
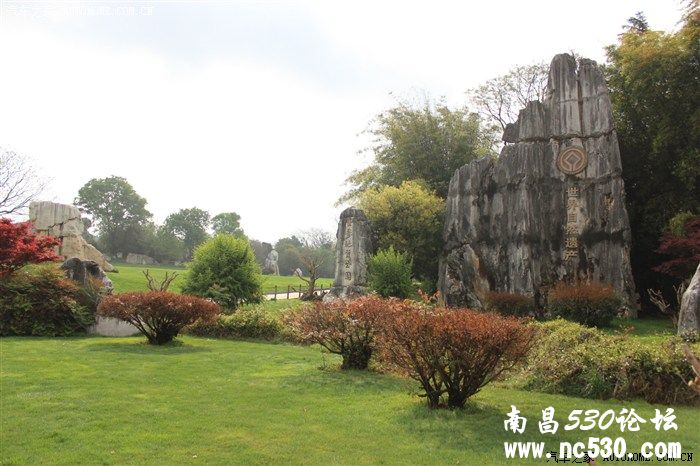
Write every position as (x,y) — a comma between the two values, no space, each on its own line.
(390,274)
(347,328)
(119,212)
(452,352)
(224,269)
(162,245)
(425,142)
(159,315)
(514,304)
(190,225)
(409,219)
(227,222)
(40,301)
(288,257)
(579,361)
(683,250)
(317,257)
(593,304)
(20,246)
(19,183)
(244,323)
(500,99)
(654,81)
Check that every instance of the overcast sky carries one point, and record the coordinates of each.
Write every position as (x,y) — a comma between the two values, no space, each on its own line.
(257,107)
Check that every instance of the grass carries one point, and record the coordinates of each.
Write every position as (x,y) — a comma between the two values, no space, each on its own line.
(652,330)
(130,278)
(116,401)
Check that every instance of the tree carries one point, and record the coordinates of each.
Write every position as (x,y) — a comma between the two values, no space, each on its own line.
(288,251)
(227,222)
(315,252)
(409,219)
(654,82)
(681,251)
(190,225)
(500,99)
(162,245)
(119,213)
(19,183)
(224,269)
(20,246)
(389,274)
(427,143)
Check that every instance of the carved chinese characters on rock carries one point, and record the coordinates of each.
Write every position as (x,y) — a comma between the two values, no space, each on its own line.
(347,255)
(571,228)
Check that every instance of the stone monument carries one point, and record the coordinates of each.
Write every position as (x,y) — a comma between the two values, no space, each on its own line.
(550,208)
(352,250)
(689,315)
(65,223)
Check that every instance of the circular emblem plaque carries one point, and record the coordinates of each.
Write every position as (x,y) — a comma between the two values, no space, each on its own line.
(572,160)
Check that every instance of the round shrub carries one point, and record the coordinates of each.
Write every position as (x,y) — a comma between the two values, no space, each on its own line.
(592,304)
(389,274)
(159,315)
(510,304)
(224,269)
(40,301)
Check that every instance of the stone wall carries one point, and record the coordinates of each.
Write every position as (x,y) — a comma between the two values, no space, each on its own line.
(550,208)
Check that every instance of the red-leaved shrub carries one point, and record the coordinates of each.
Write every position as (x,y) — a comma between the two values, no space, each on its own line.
(347,328)
(511,304)
(19,246)
(452,352)
(593,304)
(159,315)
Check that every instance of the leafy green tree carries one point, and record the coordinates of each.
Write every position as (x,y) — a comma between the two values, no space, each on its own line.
(427,143)
(162,245)
(409,219)
(654,81)
(389,274)
(288,251)
(227,222)
(190,225)
(117,210)
(224,269)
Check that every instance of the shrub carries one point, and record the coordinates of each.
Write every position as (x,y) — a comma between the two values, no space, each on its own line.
(347,328)
(574,360)
(20,246)
(159,315)
(593,304)
(244,323)
(452,352)
(511,304)
(390,274)
(224,269)
(40,301)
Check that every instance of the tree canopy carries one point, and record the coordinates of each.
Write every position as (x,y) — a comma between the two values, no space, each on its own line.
(227,222)
(190,225)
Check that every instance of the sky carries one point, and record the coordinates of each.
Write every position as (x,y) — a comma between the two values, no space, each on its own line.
(257,107)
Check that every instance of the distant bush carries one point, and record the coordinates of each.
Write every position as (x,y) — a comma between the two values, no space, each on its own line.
(511,304)
(593,304)
(389,274)
(224,269)
(244,323)
(40,301)
(575,360)
(347,328)
(452,353)
(159,315)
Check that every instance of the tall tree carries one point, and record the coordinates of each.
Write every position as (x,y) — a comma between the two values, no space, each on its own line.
(190,225)
(654,81)
(427,142)
(117,210)
(19,183)
(227,222)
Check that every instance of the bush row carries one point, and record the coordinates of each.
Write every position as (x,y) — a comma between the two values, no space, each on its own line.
(244,323)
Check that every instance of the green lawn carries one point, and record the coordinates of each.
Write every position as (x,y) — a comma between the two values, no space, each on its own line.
(130,278)
(119,401)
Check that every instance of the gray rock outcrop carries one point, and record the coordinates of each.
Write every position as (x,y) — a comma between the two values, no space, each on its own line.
(82,270)
(550,208)
(689,315)
(139,259)
(64,222)
(353,249)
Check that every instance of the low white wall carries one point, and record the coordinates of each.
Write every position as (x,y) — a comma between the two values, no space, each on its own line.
(111,327)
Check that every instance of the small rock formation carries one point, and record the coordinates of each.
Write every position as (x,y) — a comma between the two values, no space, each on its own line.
(271,266)
(140,259)
(82,270)
(353,247)
(65,223)
(550,208)
(689,315)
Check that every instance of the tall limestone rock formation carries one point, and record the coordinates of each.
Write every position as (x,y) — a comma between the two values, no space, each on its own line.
(352,253)
(551,207)
(65,223)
